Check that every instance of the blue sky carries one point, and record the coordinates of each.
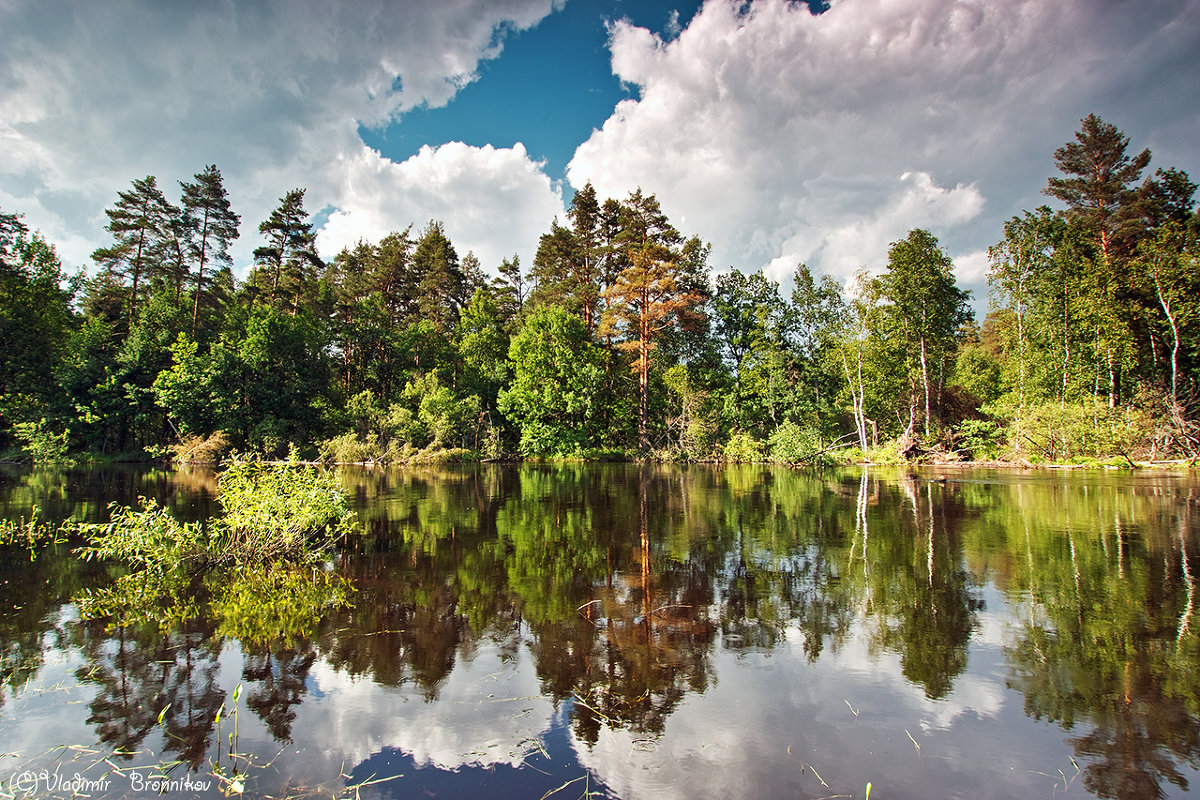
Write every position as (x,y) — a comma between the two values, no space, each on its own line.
(549,88)
(777,135)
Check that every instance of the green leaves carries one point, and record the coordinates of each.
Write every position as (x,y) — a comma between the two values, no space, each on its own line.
(255,563)
(557,379)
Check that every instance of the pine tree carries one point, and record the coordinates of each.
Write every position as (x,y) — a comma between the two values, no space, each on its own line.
(1099,185)
(290,255)
(140,223)
(213,225)
(648,299)
(443,286)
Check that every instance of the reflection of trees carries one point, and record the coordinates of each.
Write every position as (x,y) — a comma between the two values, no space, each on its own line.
(30,595)
(430,583)
(621,579)
(783,566)
(926,601)
(1108,643)
(276,679)
(655,636)
(139,673)
(85,492)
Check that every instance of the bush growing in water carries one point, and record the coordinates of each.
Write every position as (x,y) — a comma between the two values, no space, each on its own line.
(270,513)
(280,512)
(272,516)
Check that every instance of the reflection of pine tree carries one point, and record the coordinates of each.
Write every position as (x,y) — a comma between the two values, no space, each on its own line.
(191,689)
(277,677)
(657,637)
(140,672)
(29,609)
(443,592)
(126,706)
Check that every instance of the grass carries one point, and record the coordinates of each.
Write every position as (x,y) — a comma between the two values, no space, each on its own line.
(31,535)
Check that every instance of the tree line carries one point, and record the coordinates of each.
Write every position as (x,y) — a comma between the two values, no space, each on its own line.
(615,342)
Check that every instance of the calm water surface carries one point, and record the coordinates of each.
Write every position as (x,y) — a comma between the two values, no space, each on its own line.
(641,632)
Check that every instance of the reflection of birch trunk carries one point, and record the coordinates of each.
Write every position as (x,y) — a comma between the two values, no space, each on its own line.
(1189,581)
(1029,560)
(908,483)
(1075,569)
(929,558)
(1120,546)
(861,524)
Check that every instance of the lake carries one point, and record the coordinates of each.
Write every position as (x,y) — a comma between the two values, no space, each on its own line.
(627,631)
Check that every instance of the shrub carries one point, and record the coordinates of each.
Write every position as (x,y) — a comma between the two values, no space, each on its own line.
(278,512)
(981,438)
(198,449)
(273,517)
(43,445)
(271,513)
(743,448)
(1058,432)
(791,444)
(350,449)
(30,534)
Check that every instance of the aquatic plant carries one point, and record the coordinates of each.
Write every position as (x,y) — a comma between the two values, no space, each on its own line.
(30,534)
(275,518)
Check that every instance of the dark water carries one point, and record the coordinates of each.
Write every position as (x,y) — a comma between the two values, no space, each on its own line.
(643,632)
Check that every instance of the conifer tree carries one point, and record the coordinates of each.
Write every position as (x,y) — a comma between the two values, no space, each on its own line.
(290,255)
(212,223)
(648,298)
(140,222)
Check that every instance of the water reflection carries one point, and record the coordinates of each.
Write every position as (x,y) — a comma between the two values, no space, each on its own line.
(775,631)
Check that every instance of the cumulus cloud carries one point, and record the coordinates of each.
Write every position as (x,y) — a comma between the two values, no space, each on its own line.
(95,95)
(496,198)
(776,715)
(784,137)
(463,728)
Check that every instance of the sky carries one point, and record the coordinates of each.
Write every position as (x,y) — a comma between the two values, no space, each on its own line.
(778,132)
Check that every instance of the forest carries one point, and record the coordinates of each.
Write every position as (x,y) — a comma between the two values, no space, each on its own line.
(617,342)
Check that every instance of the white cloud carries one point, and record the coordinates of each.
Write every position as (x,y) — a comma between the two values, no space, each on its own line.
(95,95)
(466,726)
(845,714)
(496,198)
(972,268)
(782,136)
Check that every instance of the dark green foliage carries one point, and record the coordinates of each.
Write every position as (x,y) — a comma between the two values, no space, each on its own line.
(288,262)
(35,329)
(443,288)
(556,385)
(402,350)
(141,223)
(210,226)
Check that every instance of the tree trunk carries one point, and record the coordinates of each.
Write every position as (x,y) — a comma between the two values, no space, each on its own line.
(1166,307)
(925,382)
(644,395)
